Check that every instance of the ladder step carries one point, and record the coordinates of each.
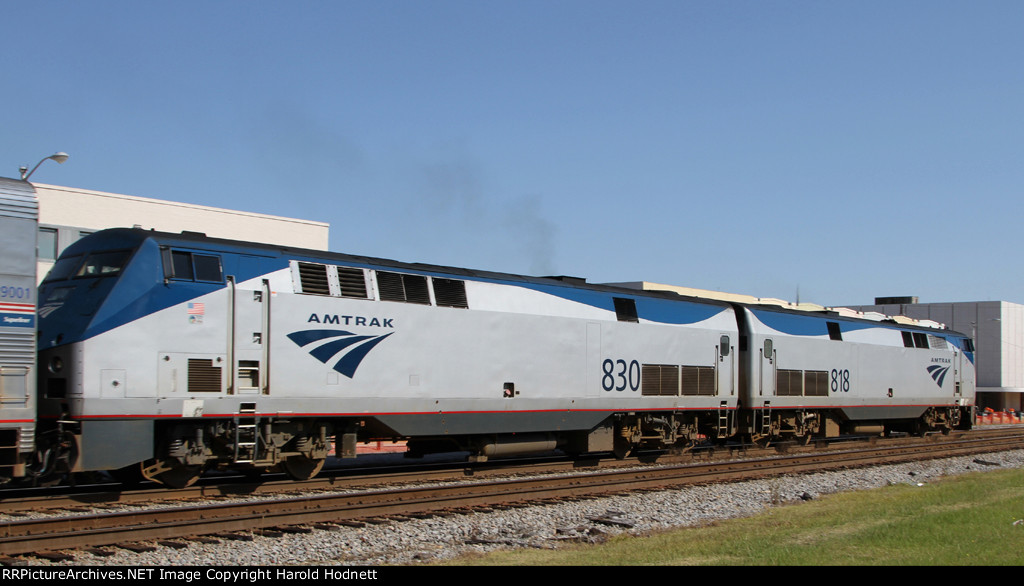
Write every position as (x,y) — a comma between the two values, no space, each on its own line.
(246,435)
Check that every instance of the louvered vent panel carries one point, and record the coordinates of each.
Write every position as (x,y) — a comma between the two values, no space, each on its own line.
(659,380)
(788,383)
(816,383)
(17,348)
(391,287)
(416,290)
(450,293)
(313,278)
(670,380)
(698,380)
(203,376)
(352,281)
(936,343)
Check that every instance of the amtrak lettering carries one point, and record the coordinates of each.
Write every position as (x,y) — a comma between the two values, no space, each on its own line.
(351,320)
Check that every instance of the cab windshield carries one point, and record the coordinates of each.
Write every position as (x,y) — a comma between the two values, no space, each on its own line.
(97,264)
(63,268)
(103,264)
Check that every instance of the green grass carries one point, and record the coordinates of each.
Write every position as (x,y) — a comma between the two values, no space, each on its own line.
(964,520)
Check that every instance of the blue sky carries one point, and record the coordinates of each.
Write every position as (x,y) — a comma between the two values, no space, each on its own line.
(842,150)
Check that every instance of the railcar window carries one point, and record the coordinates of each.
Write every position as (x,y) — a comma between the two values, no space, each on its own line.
(625,309)
(103,264)
(181,265)
(64,268)
(207,268)
(968,345)
(920,340)
(834,333)
(908,339)
(187,266)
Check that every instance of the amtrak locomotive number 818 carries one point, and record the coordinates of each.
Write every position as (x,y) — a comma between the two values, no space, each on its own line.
(169,354)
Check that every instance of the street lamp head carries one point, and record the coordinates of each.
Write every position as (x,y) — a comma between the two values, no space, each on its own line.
(60,157)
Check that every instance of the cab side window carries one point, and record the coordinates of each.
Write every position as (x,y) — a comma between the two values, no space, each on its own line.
(183,265)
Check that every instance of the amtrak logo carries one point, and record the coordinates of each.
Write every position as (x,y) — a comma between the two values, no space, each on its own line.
(938,373)
(330,344)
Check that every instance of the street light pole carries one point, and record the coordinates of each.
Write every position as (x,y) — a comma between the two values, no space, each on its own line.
(59,157)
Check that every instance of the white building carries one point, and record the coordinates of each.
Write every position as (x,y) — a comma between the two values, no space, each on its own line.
(998,331)
(68,213)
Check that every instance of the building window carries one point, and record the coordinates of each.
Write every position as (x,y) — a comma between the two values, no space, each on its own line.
(46,245)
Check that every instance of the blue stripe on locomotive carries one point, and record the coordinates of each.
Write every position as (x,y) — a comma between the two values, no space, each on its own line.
(139,289)
(666,311)
(806,324)
(817,325)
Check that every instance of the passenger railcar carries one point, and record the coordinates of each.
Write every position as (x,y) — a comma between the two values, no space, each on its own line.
(19,214)
(169,354)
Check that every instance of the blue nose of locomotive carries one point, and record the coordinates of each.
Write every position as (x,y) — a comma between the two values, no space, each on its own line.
(90,288)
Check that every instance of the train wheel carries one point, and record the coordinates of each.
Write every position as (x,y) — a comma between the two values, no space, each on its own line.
(302,467)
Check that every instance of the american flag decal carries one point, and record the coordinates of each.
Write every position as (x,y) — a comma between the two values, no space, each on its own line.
(196,308)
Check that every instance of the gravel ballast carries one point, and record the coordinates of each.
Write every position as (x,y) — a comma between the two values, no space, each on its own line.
(439,538)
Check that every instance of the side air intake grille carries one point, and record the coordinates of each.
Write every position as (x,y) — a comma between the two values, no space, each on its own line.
(788,383)
(660,380)
(450,293)
(815,383)
(313,278)
(796,383)
(698,380)
(401,287)
(203,376)
(352,282)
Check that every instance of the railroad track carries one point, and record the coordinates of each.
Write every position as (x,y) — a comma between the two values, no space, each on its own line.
(308,512)
(111,494)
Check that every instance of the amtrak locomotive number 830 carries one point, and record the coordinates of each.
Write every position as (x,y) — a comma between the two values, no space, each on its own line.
(169,354)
